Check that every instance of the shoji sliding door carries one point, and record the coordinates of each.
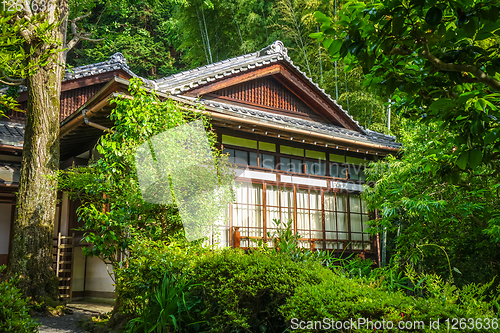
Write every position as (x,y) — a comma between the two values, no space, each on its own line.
(334,219)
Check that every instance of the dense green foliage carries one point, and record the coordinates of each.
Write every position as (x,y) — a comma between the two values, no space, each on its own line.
(14,316)
(145,32)
(441,58)
(341,299)
(8,101)
(165,307)
(113,210)
(244,292)
(425,205)
(230,290)
(16,63)
(144,270)
(16,60)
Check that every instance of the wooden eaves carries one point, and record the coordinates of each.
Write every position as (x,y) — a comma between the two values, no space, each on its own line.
(74,129)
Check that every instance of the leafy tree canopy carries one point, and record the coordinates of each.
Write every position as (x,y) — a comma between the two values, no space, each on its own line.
(423,211)
(438,58)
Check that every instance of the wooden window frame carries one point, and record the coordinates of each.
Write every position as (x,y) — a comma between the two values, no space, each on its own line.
(277,156)
(367,242)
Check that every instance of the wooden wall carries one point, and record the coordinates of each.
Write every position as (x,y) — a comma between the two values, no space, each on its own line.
(270,93)
(71,100)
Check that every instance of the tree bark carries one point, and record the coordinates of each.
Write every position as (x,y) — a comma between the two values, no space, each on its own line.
(31,258)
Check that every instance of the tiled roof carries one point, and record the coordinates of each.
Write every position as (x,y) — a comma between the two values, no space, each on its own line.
(184,81)
(179,83)
(116,61)
(11,134)
(313,126)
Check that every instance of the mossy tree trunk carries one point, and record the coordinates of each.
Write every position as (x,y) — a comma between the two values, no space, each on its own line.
(31,258)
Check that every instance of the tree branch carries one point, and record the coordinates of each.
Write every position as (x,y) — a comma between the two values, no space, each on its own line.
(27,33)
(91,40)
(79,18)
(403,50)
(5,79)
(78,36)
(10,83)
(10,79)
(449,67)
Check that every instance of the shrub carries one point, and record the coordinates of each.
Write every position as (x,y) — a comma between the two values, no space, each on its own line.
(166,306)
(263,290)
(145,267)
(342,299)
(243,292)
(14,317)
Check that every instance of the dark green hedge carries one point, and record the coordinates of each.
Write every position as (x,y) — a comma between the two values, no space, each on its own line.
(14,316)
(263,291)
(243,292)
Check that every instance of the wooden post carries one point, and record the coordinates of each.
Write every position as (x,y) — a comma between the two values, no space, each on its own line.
(349,237)
(323,217)
(264,211)
(294,209)
(231,238)
(58,254)
(237,237)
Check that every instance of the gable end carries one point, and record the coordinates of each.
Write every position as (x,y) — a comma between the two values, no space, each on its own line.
(268,94)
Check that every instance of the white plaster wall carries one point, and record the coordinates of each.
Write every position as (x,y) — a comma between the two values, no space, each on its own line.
(5,214)
(98,278)
(78,270)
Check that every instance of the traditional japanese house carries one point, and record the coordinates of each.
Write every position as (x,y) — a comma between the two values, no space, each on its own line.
(301,155)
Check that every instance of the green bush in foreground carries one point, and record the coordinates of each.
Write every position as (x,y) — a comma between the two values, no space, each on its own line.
(264,290)
(243,292)
(166,306)
(144,270)
(342,299)
(14,317)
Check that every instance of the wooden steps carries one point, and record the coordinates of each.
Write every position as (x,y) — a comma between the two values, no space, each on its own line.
(63,262)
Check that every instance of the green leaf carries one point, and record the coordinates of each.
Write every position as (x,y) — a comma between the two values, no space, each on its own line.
(478,105)
(484,34)
(442,32)
(433,16)
(466,96)
(335,47)
(476,156)
(462,160)
(397,23)
(327,42)
(316,35)
(490,137)
(471,27)
(442,103)
(320,17)
(456,270)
